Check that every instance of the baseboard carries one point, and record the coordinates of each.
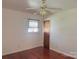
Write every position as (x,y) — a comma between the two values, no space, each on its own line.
(64,53)
(7,53)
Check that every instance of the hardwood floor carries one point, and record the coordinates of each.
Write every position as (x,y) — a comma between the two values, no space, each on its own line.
(37,53)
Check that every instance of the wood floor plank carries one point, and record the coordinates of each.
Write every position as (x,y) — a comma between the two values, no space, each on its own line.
(37,53)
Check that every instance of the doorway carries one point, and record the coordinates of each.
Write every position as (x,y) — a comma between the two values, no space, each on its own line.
(46,33)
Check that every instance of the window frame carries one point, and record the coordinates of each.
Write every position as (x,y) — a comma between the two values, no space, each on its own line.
(33,27)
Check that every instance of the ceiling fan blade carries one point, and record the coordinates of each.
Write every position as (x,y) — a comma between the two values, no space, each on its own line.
(32,8)
(29,8)
(54,8)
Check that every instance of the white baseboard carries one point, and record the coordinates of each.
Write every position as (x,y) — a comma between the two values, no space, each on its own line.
(67,54)
(15,51)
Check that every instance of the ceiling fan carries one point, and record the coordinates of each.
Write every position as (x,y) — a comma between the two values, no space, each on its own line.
(43,9)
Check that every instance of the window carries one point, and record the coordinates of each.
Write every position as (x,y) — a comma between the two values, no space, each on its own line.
(33,26)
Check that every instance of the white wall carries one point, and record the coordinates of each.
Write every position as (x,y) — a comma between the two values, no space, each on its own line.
(14,36)
(63,32)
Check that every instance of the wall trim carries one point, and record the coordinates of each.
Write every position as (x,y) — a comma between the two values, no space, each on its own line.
(7,53)
(67,54)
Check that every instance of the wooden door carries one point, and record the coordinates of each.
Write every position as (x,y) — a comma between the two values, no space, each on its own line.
(46,34)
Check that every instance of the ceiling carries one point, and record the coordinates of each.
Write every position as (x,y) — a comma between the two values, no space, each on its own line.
(23,5)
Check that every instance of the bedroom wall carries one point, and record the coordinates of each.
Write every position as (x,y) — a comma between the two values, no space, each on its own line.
(15,37)
(63,33)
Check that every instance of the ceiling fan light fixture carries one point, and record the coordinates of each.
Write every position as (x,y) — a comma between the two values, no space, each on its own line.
(43,8)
